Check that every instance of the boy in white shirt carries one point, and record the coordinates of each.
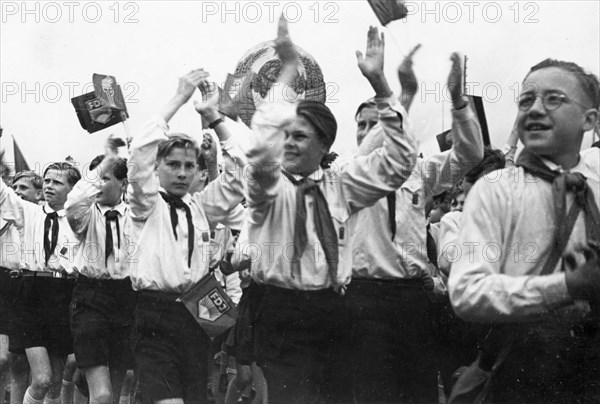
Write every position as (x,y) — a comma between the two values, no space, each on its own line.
(172,230)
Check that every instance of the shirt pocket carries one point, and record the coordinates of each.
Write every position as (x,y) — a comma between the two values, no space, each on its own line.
(412,192)
(205,245)
(340,221)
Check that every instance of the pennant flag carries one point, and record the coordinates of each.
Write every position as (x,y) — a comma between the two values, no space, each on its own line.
(94,114)
(20,162)
(476,104)
(210,305)
(102,108)
(107,90)
(388,10)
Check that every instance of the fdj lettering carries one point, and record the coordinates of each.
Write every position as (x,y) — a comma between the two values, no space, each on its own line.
(218,301)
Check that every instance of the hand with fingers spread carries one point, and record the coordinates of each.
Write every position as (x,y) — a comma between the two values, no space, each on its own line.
(189,82)
(372,62)
(583,278)
(208,108)
(186,87)
(455,81)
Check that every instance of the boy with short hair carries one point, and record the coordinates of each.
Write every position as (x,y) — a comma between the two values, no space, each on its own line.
(103,299)
(47,252)
(28,185)
(172,229)
(516,228)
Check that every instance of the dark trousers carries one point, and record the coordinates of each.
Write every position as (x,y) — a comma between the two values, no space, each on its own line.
(170,348)
(550,363)
(393,352)
(300,335)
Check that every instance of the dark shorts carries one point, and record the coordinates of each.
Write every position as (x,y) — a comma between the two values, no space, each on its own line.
(9,292)
(44,310)
(171,350)
(101,321)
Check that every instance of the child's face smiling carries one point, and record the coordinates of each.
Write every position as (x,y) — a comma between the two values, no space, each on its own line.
(556,133)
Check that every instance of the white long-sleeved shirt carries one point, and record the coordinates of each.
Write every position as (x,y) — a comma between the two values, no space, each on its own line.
(375,255)
(447,249)
(224,241)
(10,244)
(88,222)
(10,237)
(272,199)
(160,262)
(31,226)
(507,233)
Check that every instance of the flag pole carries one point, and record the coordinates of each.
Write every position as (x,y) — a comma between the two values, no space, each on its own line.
(128,137)
(389,32)
(465,75)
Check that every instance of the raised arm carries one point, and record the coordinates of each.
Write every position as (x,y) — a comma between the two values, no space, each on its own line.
(225,190)
(143,184)
(80,200)
(442,171)
(408,79)
(272,115)
(369,178)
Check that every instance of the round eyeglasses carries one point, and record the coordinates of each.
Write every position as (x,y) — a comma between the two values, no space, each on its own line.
(550,101)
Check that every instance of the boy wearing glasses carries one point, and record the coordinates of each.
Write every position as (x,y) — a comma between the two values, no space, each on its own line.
(530,252)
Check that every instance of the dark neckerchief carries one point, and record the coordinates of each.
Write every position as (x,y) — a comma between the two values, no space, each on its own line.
(174,204)
(50,241)
(323,225)
(111,215)
(561,184)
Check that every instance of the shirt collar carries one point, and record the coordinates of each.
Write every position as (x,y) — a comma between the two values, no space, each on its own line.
(119,208)
(315,176)
(187,198)
(47,209)
(582,167)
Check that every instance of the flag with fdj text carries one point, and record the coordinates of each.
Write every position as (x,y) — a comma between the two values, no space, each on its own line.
(388,10)
(102,108)
(210,306)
